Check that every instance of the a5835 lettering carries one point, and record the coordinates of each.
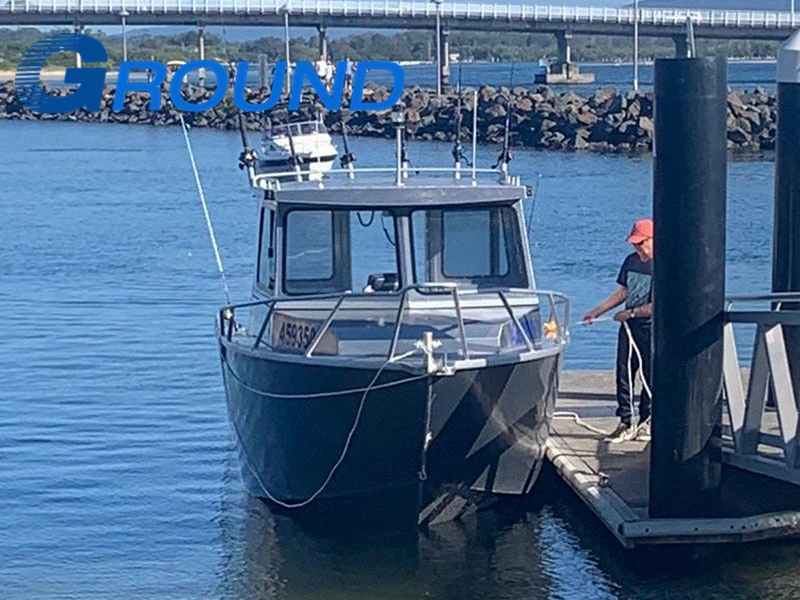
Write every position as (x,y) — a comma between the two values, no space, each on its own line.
(296,335)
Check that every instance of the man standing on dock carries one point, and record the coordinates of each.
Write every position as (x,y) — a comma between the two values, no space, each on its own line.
(635,290)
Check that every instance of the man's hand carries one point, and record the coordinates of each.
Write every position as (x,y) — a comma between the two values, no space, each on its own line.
(589,317)
(623,315)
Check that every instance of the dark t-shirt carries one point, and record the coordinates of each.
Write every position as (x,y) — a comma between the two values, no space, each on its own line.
(637,276)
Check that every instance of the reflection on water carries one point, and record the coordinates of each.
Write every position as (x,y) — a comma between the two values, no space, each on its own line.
(497,554)
(548,548)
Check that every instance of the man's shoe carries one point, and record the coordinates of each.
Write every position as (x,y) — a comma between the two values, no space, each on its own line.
(623,433)
(643,431)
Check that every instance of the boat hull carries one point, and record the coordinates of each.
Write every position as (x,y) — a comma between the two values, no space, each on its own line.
(487,432)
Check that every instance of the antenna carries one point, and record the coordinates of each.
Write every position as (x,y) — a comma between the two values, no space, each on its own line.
(474,137)
(399,121)
(690,47)
(348,158)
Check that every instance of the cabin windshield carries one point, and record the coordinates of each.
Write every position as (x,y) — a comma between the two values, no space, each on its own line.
(480,246)
(297,129)
(337,251)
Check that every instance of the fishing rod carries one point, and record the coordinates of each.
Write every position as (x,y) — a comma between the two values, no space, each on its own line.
(505,155)
(347,159)
(458,150)
(249,157)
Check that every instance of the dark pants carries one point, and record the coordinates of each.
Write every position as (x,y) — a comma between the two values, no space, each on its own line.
(641,336)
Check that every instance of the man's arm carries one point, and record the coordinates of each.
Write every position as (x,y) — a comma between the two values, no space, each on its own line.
(643,311)
(612,301)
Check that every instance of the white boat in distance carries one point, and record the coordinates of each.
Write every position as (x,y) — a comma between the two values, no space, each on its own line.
(306,145)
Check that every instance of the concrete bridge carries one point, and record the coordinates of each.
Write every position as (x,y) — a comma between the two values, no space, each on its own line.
(386,14)
(562,21)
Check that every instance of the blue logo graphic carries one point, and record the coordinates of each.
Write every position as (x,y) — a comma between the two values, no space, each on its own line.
(90,81)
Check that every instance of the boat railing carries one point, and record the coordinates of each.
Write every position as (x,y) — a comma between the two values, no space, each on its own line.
(770,377)
(276,180)
(557,324)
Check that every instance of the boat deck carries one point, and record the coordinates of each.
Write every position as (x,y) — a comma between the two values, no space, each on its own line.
(612,479)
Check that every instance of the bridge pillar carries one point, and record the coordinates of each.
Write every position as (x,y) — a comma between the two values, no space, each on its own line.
(562,64)
(323,40)
(262,71)
(79,28)
(201,50)
(444,71)
(681,46)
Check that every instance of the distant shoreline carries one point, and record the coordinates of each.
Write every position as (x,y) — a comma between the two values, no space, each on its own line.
(50,74)
(47,73)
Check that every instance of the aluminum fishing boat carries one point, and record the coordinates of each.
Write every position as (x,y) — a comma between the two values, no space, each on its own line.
(396,361)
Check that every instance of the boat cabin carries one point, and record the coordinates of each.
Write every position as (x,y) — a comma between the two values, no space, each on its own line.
(361,239)
(364,270)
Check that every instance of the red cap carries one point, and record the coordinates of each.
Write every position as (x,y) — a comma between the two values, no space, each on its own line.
(642,230)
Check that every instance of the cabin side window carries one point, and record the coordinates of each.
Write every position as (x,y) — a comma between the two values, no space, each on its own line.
(482,246)
(266,259)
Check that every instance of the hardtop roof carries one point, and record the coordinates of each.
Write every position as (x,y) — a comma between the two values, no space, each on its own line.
(415,192)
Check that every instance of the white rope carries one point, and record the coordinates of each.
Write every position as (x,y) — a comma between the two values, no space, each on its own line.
(632,347)
(578,421)
(322,394)
(345,448)
(642,378)
(205,208)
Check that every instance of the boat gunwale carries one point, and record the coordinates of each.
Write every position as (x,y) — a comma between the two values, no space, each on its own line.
(372,363)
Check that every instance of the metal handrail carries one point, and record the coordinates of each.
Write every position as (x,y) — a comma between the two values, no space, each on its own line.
(772,297)
(777,299)
(770,369)
(272,180)
(228,313)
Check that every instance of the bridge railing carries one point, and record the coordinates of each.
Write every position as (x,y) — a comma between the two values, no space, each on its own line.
(386,8)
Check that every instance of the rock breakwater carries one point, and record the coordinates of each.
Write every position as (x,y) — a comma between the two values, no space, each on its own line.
(607,121)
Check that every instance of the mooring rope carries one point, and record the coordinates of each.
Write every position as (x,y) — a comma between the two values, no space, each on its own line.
(345,448)
(382,386)
(202,195)
(632,348)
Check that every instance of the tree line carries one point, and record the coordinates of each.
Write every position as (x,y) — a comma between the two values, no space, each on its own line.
(403,46)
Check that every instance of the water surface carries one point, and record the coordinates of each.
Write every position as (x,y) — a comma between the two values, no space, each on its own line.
(119,477)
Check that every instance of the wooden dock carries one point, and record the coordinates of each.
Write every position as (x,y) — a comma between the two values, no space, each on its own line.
(612,479)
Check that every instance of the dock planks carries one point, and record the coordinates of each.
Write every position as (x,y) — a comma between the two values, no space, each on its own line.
(612,479)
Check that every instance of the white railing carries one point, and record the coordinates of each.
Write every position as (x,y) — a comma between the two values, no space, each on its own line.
(383,8)
(769,372)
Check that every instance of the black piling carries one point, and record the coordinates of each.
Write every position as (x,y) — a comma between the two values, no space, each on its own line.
(786,237)
(689,196)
